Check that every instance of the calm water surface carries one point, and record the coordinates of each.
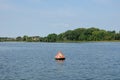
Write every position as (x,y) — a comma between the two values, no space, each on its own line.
(84,61)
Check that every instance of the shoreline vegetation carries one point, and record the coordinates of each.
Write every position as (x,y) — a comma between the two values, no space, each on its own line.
(77,35)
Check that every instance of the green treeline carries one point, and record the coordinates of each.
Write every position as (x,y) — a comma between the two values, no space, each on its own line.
(79,34)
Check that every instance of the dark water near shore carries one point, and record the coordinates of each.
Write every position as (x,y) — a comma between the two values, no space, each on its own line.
(84,61)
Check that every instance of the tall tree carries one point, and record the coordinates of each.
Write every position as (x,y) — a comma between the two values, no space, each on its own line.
(25,38)
(52,37)
(19,38)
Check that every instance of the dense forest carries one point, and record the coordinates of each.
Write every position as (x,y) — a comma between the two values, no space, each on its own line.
(79,34)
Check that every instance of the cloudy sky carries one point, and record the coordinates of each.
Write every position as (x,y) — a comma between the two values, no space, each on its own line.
(41,17)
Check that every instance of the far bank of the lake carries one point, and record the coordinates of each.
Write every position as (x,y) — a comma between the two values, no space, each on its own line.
(64,41)
(76,35)
(85,41)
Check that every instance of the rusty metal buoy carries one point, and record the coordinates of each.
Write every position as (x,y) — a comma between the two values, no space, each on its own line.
(59,56)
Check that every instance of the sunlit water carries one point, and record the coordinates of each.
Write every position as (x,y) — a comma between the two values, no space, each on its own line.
(84,61)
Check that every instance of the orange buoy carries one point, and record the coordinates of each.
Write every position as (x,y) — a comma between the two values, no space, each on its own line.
(60,56)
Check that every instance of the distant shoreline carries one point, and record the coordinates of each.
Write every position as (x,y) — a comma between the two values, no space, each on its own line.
(61,41)
(77,35)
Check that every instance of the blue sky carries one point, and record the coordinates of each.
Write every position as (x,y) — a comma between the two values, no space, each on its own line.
(42,17)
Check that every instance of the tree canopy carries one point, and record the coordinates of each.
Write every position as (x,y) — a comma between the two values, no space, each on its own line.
(79,34)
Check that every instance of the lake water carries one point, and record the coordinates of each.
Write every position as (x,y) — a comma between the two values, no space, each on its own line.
(84,61)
